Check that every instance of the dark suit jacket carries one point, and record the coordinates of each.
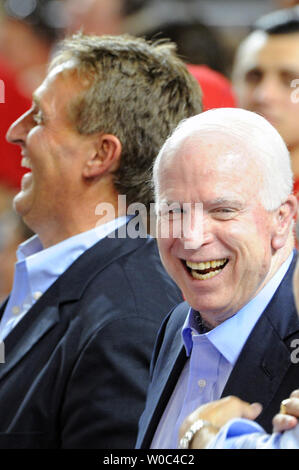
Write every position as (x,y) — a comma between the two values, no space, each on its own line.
(77,364)
(264,371)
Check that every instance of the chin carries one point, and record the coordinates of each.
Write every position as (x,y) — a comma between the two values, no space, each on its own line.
(207,304)
(21,204)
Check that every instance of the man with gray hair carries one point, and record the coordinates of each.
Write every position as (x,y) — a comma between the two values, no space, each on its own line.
(87,299)
(228,172)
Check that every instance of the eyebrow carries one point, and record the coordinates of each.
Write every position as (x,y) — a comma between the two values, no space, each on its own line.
(214,202)
(226,202)
(37,102)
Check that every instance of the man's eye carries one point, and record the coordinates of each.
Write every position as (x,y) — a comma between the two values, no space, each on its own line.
(224,213)
(253,77)
(38,117)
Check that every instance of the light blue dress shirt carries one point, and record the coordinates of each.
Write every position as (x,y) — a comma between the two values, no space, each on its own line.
(245,434)
(37,269)
(212,356)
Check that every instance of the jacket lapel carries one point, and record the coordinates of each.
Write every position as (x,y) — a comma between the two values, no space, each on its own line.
(74,281)
(172,358)
(36,323)
(70,286)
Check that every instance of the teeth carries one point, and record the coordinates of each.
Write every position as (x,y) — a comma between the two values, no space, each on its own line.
(26,163)
(207,264)
(202,277)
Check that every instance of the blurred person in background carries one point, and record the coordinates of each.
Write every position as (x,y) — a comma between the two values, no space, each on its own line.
(205,54)
(99,16)
(28,33)
(201,48)
(217,91)
(197,43)
(266,75)
(13,232)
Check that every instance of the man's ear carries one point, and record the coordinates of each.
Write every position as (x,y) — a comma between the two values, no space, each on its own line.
(283,219)
(105,157)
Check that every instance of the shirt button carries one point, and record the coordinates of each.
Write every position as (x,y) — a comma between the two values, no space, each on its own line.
(16,310)
(37,295)
(202,383)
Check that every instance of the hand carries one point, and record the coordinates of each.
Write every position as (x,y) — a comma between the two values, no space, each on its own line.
(288,420)
(218,413)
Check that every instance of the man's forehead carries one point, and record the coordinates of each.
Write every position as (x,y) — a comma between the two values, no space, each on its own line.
(68,65)
(248,50)
(209,148)
(282,50)
(61,78)
(280,53)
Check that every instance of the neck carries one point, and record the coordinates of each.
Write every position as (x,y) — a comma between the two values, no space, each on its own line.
(277,260)
(84,213)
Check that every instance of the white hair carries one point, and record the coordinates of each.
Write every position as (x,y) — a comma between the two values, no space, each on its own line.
(255,136)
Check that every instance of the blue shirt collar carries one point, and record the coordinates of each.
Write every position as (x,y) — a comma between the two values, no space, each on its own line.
(44,266)
(230,336)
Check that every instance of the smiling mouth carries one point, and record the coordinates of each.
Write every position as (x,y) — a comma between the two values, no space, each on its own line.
(26,163)
(205,270)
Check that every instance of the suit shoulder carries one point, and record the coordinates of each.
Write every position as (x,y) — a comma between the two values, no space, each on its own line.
(132,285)
(173,322)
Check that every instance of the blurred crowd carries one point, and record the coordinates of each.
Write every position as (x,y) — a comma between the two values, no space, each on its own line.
(221,60)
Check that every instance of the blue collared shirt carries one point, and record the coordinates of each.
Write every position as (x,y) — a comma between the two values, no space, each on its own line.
(212,356)
(37,269)
(245,434)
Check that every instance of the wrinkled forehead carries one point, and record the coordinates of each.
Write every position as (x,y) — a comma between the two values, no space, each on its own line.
(58,76)
(204,151)
(205,166)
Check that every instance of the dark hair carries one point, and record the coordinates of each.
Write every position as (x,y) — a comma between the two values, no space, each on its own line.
(138,91)
(284,21)
(197,43)
(130,7)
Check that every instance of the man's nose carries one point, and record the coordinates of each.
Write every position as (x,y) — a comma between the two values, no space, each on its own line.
(17,132)
(198,234)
